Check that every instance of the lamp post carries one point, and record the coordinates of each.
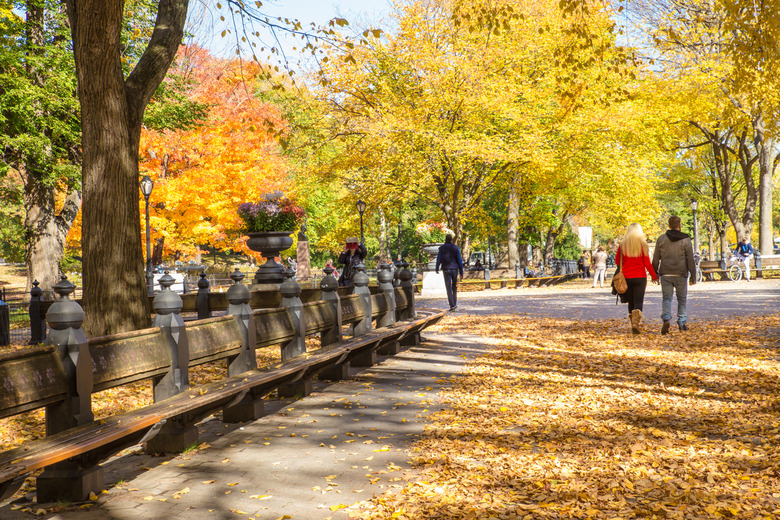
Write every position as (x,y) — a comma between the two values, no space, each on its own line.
(694,206)
(147,185)
(361,207)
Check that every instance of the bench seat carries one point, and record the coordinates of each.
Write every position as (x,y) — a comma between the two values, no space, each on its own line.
(102,438)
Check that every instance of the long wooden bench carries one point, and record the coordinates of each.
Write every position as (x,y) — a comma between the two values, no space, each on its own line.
(75,444)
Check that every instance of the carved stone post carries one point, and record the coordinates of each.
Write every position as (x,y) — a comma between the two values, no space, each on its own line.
(202,299)
(329,286)
(291,300)
(251,406)
(175,436)
(360,283)
(409,313)
(37,325)
(385,278)
(73,479)
(167,306)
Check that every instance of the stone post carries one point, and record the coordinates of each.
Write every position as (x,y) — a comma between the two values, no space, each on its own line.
(291,300)
(385,278)
(397,273)
(409,313)
(175,436)
(251,407)
(167,306)
(71,480)
(360,287)
(329,286)
(37,325)
(303,258)
(202,299)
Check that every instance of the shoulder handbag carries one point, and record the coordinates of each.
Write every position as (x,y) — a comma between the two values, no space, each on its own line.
(619,285)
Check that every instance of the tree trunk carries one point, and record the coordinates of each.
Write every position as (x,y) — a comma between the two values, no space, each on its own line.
(765,146)
(46,232)
(157,251)
(711,241)
(111,113)
(384,240)
(512,228)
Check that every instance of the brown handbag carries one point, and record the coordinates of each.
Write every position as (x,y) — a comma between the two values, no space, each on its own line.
(619,285)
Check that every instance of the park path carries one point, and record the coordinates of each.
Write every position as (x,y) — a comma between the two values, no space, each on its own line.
(344,443)
(578,300)
(349,440)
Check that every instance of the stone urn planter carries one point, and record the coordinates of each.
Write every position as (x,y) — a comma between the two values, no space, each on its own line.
(432,250)
(270,244)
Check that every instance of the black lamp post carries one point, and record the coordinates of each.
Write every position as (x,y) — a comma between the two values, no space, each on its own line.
(147,185)
(361,207)
(694,206)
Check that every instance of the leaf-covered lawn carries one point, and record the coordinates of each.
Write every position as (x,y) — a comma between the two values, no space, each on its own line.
(570,419)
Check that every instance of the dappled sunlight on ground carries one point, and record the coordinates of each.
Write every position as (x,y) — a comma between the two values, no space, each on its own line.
(580,419)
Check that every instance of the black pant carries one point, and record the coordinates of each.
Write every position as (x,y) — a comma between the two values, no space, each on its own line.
(635,294)
(451,284)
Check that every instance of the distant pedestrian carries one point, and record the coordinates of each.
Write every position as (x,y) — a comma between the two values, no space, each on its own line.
(450,261)
(351,256)
(673,261)
(634,260)
(586,266)
(581,266)
(599,266)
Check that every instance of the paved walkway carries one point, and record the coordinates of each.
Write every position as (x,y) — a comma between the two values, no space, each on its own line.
(349,440)
(579,300)
(342,444)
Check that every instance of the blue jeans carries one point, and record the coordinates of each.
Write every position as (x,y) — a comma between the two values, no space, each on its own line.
(679,285)
(451,284)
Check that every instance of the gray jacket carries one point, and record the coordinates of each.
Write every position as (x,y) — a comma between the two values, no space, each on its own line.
(673,254)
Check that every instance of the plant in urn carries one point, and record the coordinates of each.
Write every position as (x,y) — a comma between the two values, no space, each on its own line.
(431,235)
(269,224)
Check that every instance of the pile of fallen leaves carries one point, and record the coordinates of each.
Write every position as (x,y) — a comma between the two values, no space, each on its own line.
(567,419)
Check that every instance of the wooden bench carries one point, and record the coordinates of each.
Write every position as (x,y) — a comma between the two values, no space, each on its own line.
(52,377)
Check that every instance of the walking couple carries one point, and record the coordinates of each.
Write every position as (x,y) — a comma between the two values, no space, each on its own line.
(672,261)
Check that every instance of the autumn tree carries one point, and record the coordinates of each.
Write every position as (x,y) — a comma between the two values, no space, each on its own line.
(39,132)
(699,47)
(202,173)
(112,108)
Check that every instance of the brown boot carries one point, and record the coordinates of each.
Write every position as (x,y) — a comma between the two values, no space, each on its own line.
(636,320)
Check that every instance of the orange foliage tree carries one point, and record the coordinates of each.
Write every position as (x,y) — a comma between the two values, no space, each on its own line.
(202,174)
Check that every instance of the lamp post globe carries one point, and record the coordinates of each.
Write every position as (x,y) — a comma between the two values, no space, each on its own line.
(147,185)
(361,207)
(694,207)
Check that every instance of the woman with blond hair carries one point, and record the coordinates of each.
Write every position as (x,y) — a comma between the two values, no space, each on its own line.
(634,260)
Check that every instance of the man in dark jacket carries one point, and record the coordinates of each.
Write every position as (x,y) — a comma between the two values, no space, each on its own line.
(450,261)
(673,261)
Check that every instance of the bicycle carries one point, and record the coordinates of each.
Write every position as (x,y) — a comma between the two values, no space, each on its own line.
(737,271)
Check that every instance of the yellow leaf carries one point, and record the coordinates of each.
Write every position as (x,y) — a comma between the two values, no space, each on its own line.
(336,508)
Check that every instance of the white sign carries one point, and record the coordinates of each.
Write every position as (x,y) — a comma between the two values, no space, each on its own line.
(586,236)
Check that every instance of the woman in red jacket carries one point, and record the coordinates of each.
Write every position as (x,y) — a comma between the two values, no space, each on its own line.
(634,261)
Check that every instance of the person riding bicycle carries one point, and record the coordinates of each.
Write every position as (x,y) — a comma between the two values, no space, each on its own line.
(744,252)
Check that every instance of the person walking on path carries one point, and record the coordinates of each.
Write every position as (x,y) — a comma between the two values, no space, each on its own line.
(633,257)
(599,267)
(581,266)
(586,266)
(450,261)
(352,255)
(673,261)
(745,252)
